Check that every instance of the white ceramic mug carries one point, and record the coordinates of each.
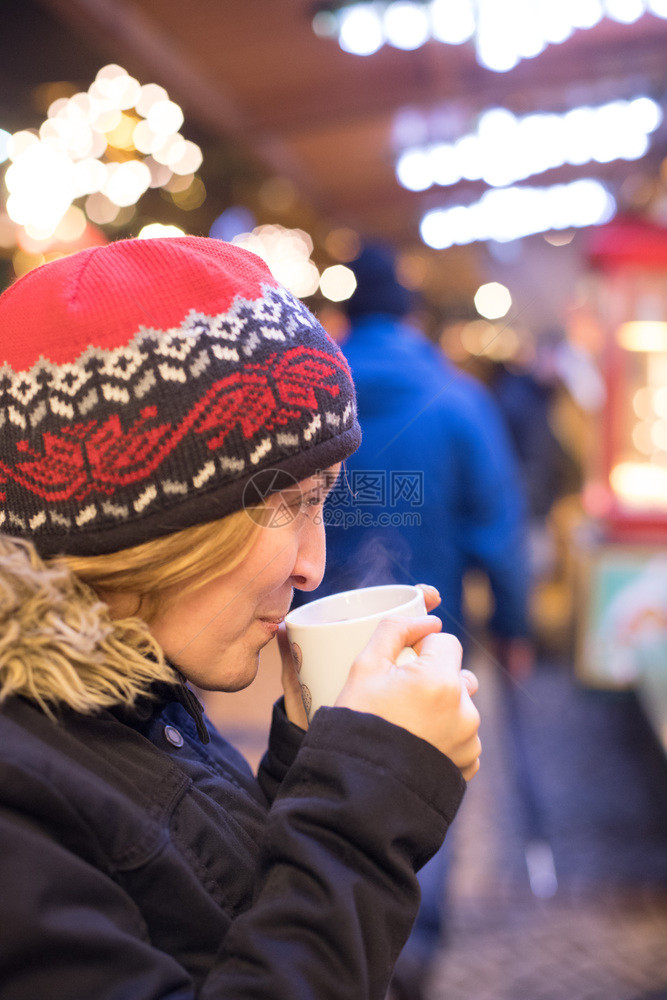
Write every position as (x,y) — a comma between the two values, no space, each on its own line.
(327,635)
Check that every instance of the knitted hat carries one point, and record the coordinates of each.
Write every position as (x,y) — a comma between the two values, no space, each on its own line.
(378,289)
(143,384)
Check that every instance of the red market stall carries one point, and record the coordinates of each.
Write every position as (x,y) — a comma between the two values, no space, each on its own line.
(622,563)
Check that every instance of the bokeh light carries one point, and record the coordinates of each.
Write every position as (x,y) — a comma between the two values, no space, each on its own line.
(505,214)
(492,300)
(103,148)
(504,31)
(343,244)
(4,145)
(154,230)
(232,222)
(287,254)
(337,283)
(504,149)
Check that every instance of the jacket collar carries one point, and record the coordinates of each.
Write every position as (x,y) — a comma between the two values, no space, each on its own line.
(161,694)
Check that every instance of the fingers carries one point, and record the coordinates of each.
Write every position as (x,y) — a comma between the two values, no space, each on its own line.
(466,753)
(283,644)
(291,687)
(441,646)
(429,695)
(431,596)
(464,746)
(394,634)
(470,681)
(469,765)
(470,771)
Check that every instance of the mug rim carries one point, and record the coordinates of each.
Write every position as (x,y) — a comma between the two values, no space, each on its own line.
(292,617)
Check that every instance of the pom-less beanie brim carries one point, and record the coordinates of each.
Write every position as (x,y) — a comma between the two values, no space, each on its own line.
(144,384)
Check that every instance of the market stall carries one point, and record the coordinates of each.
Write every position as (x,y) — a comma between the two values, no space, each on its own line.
(622,555)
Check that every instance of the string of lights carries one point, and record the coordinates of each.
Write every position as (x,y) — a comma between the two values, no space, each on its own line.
(504,214)
(503,31)
(503,149)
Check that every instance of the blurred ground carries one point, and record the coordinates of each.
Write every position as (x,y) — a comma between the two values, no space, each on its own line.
(585,786)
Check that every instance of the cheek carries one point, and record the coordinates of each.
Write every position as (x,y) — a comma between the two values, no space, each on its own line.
(191,618)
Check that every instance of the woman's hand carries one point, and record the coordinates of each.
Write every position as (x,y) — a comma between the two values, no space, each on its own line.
(431,596)
(294,709)
(430,696)
(432,600)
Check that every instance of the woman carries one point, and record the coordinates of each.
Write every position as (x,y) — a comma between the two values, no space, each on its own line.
(163,402)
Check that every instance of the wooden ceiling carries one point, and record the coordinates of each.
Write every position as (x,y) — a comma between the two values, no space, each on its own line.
(268,98)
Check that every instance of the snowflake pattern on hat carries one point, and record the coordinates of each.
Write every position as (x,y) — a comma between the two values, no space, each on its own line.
(123,444)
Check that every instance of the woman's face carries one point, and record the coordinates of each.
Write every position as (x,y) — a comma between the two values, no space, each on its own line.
(214,634)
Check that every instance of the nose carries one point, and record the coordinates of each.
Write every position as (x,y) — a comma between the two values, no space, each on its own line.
(308,567)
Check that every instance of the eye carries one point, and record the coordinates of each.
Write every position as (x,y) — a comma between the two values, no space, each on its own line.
(313,501)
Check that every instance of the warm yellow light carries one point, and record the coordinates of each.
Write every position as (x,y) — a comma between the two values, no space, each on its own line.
(24,262)
(8,231)
(642,485)
(493,300)
(187,159)
(158,229)
(278,194)
(114,86)
(98,145)
(412,269)
(479,337)
(190,197)
(302,280)
(90,175)
(343,244)
(168,150)
(160,174)
(72,226)
(286,251)
(32,201)
(122,135)
(659,434)
(165,117)
(19,142)
(32,235)
(144,137)
(149,95)
(177,183)
(643,335)
(641,438)
(127,182)
(560,239)
(100,209)
(660,401)
(642,402)
(337,283)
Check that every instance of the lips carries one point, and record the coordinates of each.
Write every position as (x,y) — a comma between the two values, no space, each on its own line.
(272,619)
(271,625)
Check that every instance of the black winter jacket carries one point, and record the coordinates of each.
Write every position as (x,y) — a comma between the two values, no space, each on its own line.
(135,868)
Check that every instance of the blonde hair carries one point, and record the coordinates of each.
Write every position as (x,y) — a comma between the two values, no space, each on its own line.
(58,641)
(188,559)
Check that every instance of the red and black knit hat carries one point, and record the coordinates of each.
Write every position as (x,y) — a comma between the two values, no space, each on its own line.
(142,385)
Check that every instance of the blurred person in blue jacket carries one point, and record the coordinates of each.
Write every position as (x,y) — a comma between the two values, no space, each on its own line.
(434,490)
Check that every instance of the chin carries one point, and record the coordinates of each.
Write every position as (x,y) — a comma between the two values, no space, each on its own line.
(231,677)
